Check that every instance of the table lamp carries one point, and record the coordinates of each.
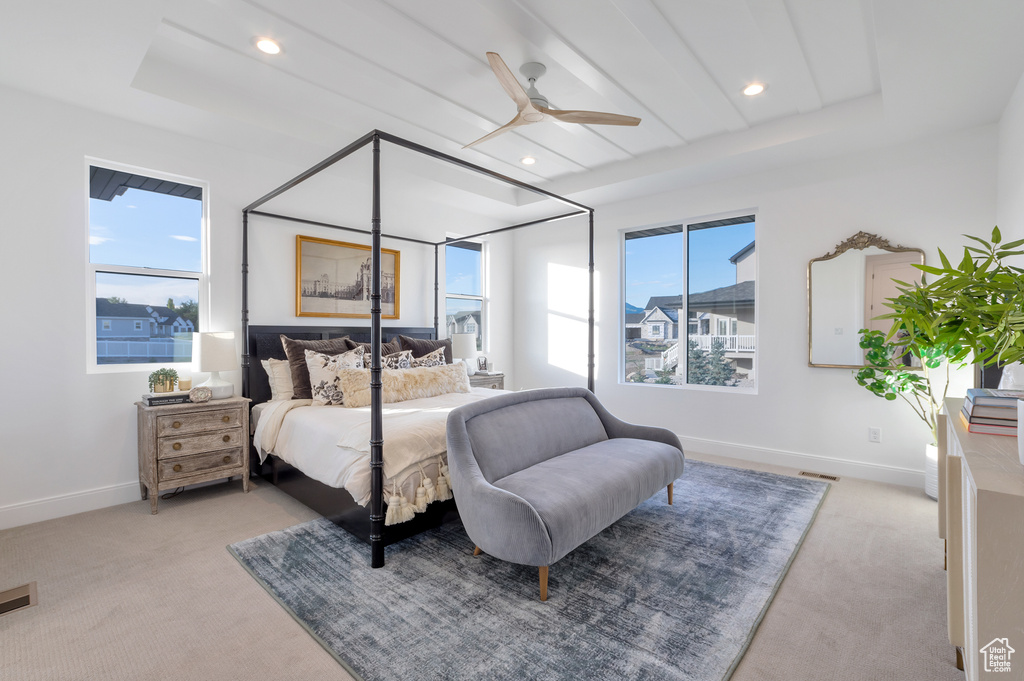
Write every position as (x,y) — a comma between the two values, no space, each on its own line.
(216,353)
(464,348)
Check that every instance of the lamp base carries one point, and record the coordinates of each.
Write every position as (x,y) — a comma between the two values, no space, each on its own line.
(220,388)
(470,366)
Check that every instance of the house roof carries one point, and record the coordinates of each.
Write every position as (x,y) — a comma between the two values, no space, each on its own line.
(664,302)
(105,308)
(635,317)
(742,252)
(727,297)
(670,313)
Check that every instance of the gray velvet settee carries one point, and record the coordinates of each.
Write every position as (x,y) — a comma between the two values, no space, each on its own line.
(536,473)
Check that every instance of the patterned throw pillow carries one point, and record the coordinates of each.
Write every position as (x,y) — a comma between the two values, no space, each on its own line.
(398,360)
(323,374)
(431,359)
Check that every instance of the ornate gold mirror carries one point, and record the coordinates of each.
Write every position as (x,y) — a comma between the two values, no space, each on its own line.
(846,289)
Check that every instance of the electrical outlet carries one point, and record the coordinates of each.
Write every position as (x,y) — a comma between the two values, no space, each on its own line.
(874,434)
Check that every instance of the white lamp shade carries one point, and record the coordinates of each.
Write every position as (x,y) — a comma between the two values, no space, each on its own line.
(216,351)
(464,345)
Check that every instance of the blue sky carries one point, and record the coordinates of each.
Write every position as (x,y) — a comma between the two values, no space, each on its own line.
(146,229)
(654,265)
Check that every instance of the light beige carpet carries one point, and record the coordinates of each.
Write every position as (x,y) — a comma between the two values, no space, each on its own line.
(127,595)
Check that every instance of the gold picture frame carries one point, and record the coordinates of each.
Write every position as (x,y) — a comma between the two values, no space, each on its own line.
(332,279)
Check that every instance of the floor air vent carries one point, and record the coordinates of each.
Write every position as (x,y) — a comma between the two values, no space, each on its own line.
(820,476)
(18,598)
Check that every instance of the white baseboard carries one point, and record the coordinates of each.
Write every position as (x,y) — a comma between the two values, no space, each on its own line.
(907,477)
(27,512)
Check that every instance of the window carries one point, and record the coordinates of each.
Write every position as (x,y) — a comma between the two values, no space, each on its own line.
(706,274)
(464,291)
(146,272)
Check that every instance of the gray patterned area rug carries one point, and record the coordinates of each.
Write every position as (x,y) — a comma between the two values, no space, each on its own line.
(667,592)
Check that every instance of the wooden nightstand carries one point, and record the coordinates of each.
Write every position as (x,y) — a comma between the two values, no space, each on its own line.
(496,381)
(183,444)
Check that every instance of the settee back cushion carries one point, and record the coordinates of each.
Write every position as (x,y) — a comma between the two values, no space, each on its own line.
(518,436)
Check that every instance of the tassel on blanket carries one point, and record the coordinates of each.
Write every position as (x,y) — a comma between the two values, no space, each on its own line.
(405,510)
(394,508)
(420,505)
(444,481)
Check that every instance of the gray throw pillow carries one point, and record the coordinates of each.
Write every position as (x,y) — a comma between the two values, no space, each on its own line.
(295,351)
(424,346)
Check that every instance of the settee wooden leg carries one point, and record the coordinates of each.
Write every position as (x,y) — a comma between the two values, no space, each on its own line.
(543,582)
(476,550)
(670,493)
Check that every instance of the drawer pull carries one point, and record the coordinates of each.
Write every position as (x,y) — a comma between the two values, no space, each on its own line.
(177,446)
(227,438)
(226,418)
(176,424)
(227,459)
(177,468)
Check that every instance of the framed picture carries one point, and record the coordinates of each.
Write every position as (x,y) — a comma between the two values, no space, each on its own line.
(481,363)
(333,279)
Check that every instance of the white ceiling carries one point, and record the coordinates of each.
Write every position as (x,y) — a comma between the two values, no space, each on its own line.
(840,73)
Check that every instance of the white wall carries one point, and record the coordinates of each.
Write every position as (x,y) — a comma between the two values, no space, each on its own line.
(1010,195)
(925,194)
(67,438)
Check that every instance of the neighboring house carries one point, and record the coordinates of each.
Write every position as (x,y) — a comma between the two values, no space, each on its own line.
(127,332)
(464,322)
(660,324)
(725,315)
(633,320)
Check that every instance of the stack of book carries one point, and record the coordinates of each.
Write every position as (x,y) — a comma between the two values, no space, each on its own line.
(993,412)
(158,399)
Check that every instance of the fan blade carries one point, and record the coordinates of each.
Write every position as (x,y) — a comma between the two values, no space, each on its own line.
(514,123)
(508,81)
(590,117)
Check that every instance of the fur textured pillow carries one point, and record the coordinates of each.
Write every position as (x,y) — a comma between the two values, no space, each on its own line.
(294,350)
(422,346)
(323,374)
(279,374)
(404,384)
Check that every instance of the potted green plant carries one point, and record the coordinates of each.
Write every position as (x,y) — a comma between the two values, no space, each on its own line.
(887,376)
(974,307)
(162,380)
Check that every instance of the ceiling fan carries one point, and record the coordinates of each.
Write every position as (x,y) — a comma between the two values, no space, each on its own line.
(534,107)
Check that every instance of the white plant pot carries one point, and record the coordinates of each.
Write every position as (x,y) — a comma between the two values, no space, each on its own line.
(931,471)
(1020,440)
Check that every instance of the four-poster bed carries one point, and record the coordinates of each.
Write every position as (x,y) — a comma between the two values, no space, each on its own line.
(260,341)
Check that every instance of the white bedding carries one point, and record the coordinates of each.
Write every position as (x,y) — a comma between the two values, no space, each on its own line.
(332,444)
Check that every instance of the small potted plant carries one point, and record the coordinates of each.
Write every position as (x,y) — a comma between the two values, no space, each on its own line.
(162,380)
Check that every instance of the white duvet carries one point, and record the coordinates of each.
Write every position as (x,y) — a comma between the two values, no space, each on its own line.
(332,444)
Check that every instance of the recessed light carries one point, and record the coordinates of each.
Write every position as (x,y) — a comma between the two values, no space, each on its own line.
(754,89)
(267,46)
(527,160)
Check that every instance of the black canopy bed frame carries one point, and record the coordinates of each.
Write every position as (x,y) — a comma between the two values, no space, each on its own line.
(263,341)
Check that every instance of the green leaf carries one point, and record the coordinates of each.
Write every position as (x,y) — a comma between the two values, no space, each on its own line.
(996,236)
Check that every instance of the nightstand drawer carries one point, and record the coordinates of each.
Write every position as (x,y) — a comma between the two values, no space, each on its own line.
(201,463)
(198,422)
(169,447)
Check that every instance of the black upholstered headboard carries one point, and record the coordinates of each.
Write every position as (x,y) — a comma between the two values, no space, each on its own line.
(265,343)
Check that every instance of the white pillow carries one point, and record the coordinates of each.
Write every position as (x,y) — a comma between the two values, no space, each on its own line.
(280,375)
(323,374)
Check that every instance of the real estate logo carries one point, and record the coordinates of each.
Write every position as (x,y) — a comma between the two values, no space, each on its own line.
(997,655)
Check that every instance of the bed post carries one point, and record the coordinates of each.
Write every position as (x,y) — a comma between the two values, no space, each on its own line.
(376,418)
(590,314)
(245,303)
(437,334)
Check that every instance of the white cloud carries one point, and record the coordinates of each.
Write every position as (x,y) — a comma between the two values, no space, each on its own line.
(98,240)
(181,237)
